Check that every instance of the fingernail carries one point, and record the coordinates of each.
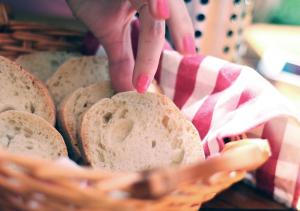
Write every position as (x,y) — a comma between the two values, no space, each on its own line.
(163,8)
(142,83)
(189,45)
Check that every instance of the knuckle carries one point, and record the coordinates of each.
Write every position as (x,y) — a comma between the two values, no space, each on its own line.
(157,29)
(147,61)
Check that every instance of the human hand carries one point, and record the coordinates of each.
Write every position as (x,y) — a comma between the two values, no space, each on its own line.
(110,20)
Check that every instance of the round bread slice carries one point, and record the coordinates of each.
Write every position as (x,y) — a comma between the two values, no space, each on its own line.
(28,134)
(43,64)
(19,90)
(133,132)
(76,73)
(73,107)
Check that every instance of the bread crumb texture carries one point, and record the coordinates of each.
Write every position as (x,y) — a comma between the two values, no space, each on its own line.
(28,134)
(132,132)
(19,90)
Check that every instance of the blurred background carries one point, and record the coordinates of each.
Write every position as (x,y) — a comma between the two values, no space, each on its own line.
(262,34)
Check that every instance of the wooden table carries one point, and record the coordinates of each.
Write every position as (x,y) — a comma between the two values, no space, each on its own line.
(241,196)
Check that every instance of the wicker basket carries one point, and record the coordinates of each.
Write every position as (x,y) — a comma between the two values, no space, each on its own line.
(28,183)
(17,37)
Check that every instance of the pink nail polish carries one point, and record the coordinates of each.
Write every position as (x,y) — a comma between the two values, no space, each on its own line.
(142,83)
(163,8)
(189,45)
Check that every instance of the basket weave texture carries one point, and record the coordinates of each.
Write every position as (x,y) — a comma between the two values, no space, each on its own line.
(19,37)
(28,183)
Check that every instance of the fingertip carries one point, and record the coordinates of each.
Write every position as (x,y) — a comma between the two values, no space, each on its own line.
(163,8)
(142,83)
(188,45)
(121,81)
(122,87)
(121,72)
(160,9)
(181,28)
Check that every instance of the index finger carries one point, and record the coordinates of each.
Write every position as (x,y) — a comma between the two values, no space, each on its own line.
(151,41)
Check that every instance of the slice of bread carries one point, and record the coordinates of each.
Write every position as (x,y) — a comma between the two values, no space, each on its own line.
(28,134)
(132,132)
(73,107)
(43,64)
(19,90)
(76,73)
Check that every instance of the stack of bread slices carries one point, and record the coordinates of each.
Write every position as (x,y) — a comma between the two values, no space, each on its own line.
(55,104)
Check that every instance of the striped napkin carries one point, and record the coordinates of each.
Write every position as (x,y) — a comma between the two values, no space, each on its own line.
(224,100)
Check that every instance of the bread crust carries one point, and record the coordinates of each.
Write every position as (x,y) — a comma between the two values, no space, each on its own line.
(43,64)
(67,118)
(36,84)
(20,120)
(75,73)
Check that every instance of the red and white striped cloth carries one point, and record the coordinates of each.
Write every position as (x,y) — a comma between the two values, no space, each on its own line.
(224,100)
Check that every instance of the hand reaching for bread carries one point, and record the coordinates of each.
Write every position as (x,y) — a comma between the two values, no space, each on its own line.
(110,22)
